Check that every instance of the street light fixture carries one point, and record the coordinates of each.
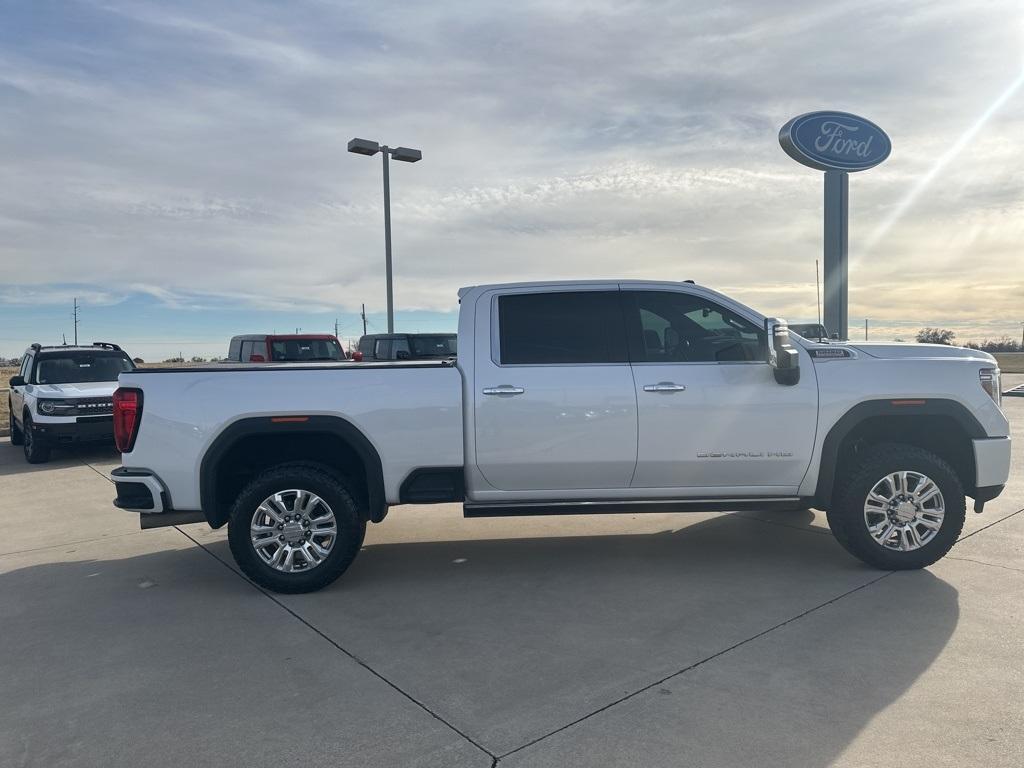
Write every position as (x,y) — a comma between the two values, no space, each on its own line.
(406,155)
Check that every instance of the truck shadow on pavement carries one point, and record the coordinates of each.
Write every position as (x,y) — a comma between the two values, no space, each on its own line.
(729,642)
(513,639)
(12,459)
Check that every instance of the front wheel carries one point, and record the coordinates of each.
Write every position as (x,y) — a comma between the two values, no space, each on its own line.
(295,528)
(35,452)
(900,508)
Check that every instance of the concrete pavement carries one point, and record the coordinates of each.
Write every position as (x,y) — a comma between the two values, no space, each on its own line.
(654,640)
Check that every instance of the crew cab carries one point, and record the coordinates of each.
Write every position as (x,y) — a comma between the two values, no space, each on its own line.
(578,397)
(63,395)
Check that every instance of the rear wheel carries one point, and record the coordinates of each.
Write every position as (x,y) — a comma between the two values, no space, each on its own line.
(900,508)
(35,452)
(295,528)
(17,436)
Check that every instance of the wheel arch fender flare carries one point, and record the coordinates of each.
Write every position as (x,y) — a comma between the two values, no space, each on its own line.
(869,409)
(217,513)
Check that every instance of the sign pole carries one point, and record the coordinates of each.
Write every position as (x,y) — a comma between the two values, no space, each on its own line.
(837,199)
(837,143)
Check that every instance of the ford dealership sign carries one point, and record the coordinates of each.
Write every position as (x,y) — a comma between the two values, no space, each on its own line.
(834,141)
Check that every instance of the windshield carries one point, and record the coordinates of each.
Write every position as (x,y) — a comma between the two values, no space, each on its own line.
(433,346)
(72,368)
(291,350)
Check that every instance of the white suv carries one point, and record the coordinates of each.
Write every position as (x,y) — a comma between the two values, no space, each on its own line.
(63,395)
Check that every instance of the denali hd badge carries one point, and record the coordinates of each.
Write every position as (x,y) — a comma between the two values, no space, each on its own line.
(743,454)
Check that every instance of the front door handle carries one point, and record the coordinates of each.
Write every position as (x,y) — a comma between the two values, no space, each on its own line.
(504,389)
(664,386)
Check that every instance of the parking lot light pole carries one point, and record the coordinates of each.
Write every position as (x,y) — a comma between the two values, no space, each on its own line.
(406,155)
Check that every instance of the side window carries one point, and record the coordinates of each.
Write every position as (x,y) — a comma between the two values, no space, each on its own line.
(400,349)
(672,327)
(250,348)
(564,327)
(382,349)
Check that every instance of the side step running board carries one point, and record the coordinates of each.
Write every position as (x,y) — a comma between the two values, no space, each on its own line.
(774,503)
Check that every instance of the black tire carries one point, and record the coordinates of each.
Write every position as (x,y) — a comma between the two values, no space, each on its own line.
(349,518)
(35,452)
(17,436)
(847,520)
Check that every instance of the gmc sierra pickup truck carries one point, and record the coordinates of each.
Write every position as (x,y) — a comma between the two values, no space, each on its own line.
(577,397)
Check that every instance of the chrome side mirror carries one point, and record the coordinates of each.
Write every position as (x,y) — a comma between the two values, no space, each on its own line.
(781,355)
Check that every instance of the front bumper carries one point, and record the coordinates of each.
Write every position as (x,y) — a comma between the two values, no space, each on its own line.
(991,462)
(84,429)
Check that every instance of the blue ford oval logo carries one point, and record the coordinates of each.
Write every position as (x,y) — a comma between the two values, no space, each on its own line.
(834,141)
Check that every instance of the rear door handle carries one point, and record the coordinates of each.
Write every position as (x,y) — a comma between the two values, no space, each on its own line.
(504,389)
(664,386)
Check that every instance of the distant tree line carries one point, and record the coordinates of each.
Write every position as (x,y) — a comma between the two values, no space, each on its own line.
(946,336)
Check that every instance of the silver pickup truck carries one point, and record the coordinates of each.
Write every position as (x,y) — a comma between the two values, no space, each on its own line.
(568,398)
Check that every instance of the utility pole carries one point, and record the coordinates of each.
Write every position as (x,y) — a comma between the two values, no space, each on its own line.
(75,314)
(865,329)
(1022,335)
(364,319)
(335,327)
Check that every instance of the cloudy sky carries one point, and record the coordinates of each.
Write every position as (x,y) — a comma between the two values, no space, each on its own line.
(181,166)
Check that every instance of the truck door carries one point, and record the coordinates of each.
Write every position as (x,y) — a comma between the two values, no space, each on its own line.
(712,419)
(555,407)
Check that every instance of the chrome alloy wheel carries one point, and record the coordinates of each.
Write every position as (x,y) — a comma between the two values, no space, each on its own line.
(293,530)
(904,510)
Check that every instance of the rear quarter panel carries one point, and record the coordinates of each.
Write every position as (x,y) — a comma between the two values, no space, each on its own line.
(412,416)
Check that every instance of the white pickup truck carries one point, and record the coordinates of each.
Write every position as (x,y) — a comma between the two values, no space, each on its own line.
(578,397)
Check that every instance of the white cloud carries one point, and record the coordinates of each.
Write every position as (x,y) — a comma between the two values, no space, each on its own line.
(198,155)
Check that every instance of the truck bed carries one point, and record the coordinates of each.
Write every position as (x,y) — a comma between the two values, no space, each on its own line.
(411,412)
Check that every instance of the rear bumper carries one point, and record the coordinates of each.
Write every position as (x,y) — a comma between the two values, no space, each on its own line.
(88,429)
(139,490)
(992,462)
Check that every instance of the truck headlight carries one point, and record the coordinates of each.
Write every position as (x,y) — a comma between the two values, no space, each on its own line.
(57,407)
(990,382)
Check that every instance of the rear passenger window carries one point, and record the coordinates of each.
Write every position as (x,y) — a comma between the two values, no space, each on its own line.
(563,327)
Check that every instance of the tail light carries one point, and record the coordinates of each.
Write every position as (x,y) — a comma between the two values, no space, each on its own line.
(127,415)
(357,356)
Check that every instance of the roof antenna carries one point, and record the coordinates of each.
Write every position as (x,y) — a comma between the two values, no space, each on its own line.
(817,296)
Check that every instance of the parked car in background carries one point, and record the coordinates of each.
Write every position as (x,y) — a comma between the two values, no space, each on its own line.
(64,395)
(595,396)
(813,331)
(284,348)
(407,346)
